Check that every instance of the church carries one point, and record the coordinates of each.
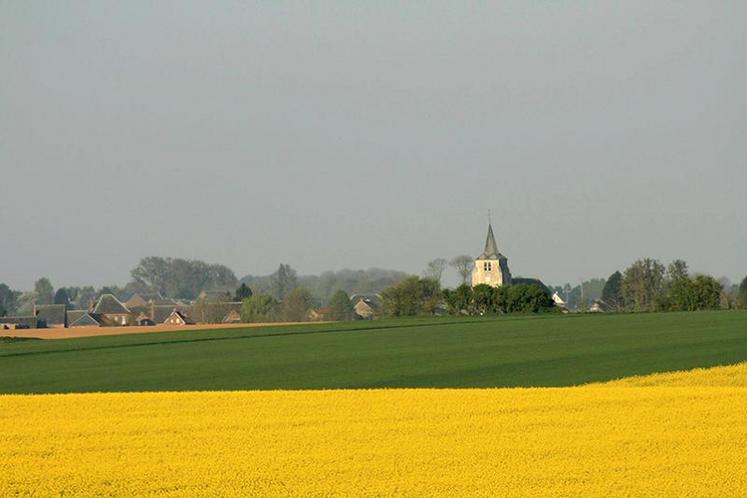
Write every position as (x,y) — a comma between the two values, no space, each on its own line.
(491,267)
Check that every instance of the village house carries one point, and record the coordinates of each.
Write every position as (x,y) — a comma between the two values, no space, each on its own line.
(111,311)
(178,318)
(81,318)
(318,315)
(366,306)
(142,299)
(50,316)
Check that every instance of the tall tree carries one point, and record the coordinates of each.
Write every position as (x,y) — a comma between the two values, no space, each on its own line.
(643,282)
(707,292)
(44,291)
(283,281)
(243,292)
(8,300)
(86,297)
(296,304)
(62,297)
(340,307)
(742,294)
(677,270)
(435,269)
(463,265)
(182,278)
(612,293)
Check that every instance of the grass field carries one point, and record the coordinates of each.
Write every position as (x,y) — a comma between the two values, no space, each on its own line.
(510,351)
(602,440)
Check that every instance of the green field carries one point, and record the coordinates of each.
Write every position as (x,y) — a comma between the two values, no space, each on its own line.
(548,350)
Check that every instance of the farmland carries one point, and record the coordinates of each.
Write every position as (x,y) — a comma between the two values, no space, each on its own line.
(682,434)
(540,351)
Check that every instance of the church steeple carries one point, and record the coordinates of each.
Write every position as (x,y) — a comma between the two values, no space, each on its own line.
(491,267)
(491,248)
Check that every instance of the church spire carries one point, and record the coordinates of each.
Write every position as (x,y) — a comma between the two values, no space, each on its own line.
(491,248)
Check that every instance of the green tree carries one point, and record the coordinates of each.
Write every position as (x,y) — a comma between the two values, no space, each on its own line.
(742,294)
(707,292)
(243,292)
(677,270)
(283,281)
(413,296)
(643,283)
(181,278)
(692,294)
(482,299)
(296,304)
(44,291)
(8,300)
(340,307)
(259,308)
(62,297)
(86,297)
(523,298)
(459,300)
(612,293)
(500,299)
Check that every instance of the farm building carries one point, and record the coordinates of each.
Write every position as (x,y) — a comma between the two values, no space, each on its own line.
(110,311)
(204,311)
(142,299)
(178,318)
(318,315)
(81,318)
(156,314)
(50,316)
(366,306)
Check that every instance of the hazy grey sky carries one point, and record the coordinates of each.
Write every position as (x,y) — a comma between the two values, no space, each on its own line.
(352,134)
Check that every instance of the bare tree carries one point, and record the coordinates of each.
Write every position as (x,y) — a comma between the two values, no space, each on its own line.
(435,269)
(463,265)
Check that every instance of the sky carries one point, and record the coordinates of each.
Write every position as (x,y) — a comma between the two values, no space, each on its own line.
(333,135)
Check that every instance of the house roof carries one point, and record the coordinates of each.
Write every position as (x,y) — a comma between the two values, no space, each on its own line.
(144,298)
(85,320)
(373,300)
(181,315)
(161,313)
(491,248)
(73,315)
(51,314)
(108,304)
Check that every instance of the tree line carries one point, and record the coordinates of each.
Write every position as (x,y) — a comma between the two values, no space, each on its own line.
(424,296)
(649,285)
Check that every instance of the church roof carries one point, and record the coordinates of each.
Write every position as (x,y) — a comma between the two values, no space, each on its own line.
(491,248)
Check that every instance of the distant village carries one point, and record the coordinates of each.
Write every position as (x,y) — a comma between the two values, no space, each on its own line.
(488,288)
(150,309)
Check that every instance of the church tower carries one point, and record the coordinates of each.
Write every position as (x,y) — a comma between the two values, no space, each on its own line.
(491,267)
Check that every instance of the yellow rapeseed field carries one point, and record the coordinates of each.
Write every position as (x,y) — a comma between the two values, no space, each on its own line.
(681,438)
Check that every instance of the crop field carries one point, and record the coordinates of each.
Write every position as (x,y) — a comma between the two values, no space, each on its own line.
(505,352)
(682,434)
(615,405)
